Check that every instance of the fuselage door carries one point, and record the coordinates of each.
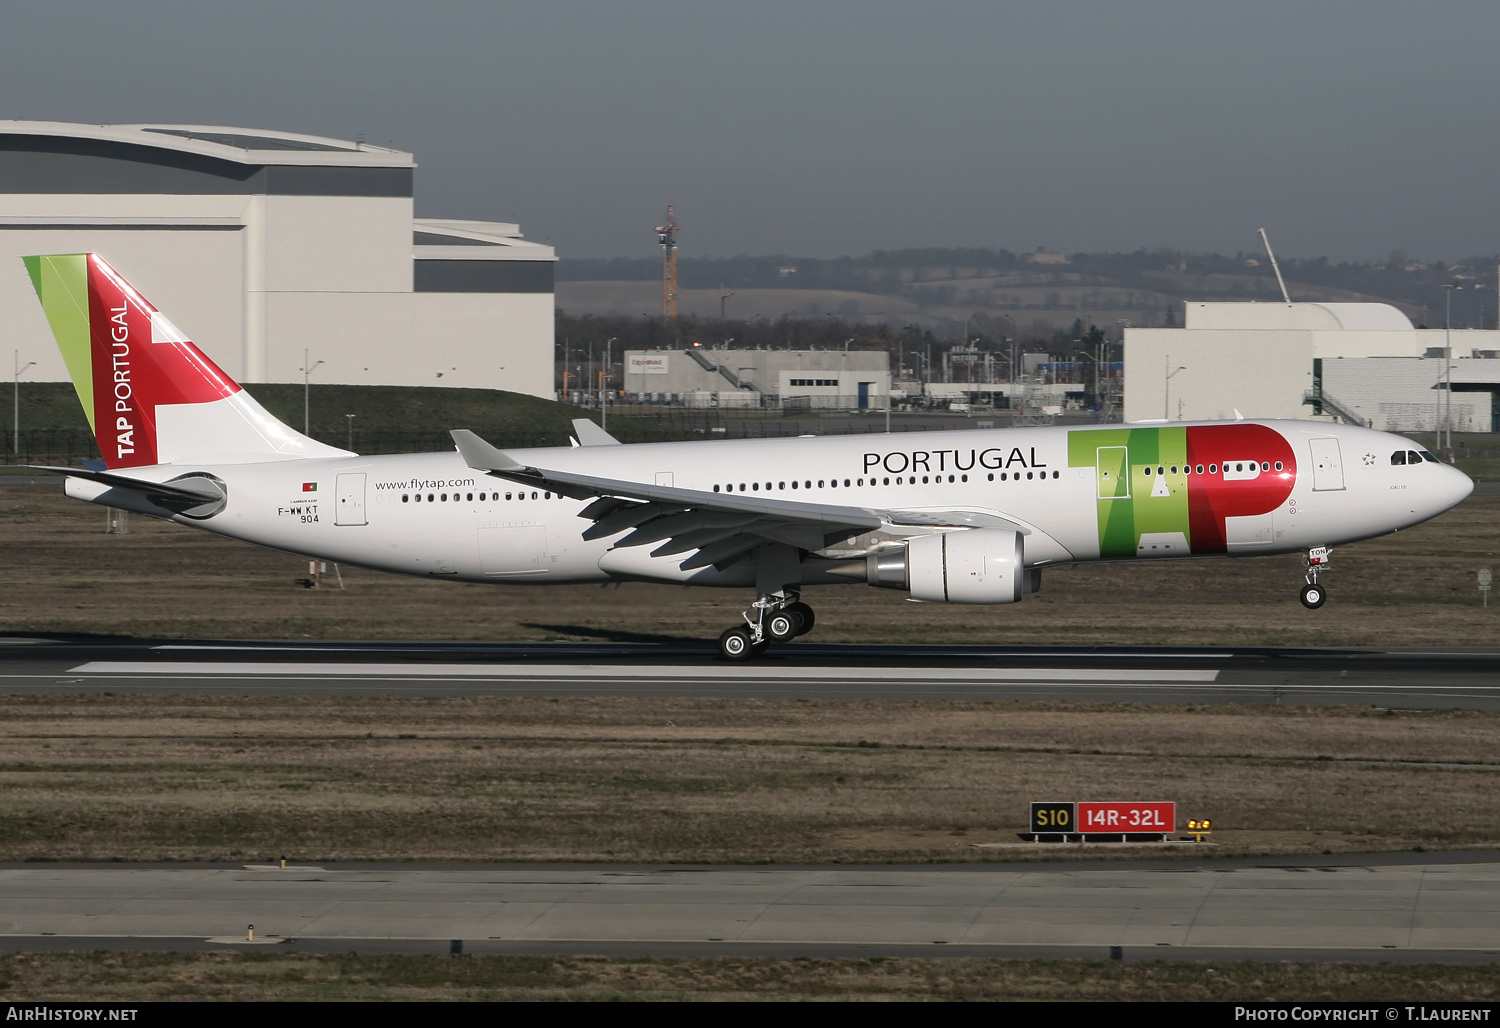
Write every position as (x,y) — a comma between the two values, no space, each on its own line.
(1328,464)
(349,500)
(1114,473)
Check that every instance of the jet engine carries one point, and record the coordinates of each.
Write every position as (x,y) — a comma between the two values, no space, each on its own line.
(977,565)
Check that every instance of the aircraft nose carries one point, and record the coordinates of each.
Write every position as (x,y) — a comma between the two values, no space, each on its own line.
(1452,488)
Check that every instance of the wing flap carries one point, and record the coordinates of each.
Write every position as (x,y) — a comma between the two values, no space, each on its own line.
(694,540)
(686,522)
(721,554)
(629,517)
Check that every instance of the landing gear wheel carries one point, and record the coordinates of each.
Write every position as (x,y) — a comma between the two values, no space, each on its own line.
(806,613)
(735,644)
(1313,596)
(783,625)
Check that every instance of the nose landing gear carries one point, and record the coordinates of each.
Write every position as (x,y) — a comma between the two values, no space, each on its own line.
(1313,594)
(779,617)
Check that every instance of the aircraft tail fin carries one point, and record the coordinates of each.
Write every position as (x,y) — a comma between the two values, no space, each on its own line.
(150,395)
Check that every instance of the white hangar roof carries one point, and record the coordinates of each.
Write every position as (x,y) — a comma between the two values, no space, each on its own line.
(241,145)
(1282,317)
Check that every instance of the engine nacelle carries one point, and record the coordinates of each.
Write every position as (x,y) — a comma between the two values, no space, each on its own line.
(976,565)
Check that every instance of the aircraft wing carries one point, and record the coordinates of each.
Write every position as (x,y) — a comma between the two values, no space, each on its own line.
(721,527)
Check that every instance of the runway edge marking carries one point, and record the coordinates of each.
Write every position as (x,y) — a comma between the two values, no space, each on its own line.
(161,669)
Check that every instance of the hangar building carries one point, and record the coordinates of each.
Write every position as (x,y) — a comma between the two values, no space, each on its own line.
(1363,363)
(796,379)
(264,245)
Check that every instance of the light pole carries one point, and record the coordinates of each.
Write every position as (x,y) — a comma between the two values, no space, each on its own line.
(608,367)
(15,438)
(350,436)
(1448,359)
(1166,403)
(307,370)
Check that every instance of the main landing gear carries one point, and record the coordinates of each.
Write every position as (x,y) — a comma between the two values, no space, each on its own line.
(1313,594)
(779,617)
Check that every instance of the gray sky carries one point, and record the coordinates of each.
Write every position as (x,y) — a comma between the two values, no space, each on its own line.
(837,127)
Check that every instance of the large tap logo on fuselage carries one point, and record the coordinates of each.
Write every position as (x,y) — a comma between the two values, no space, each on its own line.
(1187,480)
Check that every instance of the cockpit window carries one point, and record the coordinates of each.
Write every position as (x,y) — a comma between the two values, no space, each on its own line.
(1413,457)
(1429,457)
(1399,457)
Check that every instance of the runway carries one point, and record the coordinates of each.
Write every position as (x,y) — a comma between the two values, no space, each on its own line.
(1386,678)
(1334,911)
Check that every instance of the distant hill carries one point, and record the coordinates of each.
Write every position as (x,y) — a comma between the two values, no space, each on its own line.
(940,289)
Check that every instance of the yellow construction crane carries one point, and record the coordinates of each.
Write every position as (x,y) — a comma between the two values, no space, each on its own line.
(666,234)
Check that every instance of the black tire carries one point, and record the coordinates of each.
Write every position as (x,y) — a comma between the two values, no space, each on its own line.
(735,644)
(1313,596)
(783,625)
(760,647)
(806,613)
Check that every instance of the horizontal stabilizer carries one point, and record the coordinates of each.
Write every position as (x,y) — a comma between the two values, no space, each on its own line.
(195,495)
(203,490)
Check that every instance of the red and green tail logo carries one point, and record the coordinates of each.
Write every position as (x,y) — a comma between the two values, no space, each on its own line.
(125,358)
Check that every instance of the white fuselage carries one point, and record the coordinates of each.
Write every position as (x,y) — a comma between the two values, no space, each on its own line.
(431,515)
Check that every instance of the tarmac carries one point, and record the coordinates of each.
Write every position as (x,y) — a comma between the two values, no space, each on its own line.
(1443,909)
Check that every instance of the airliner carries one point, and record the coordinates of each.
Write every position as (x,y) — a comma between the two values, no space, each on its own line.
(969,517)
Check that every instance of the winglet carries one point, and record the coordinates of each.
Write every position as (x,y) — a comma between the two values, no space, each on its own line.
(590,434)
(480,455)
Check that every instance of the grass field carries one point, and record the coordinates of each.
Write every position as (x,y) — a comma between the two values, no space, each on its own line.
(226,976)
(225,778)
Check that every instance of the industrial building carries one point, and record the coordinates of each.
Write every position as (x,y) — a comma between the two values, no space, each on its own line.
(1363,363)
(789,379)
(276,251)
